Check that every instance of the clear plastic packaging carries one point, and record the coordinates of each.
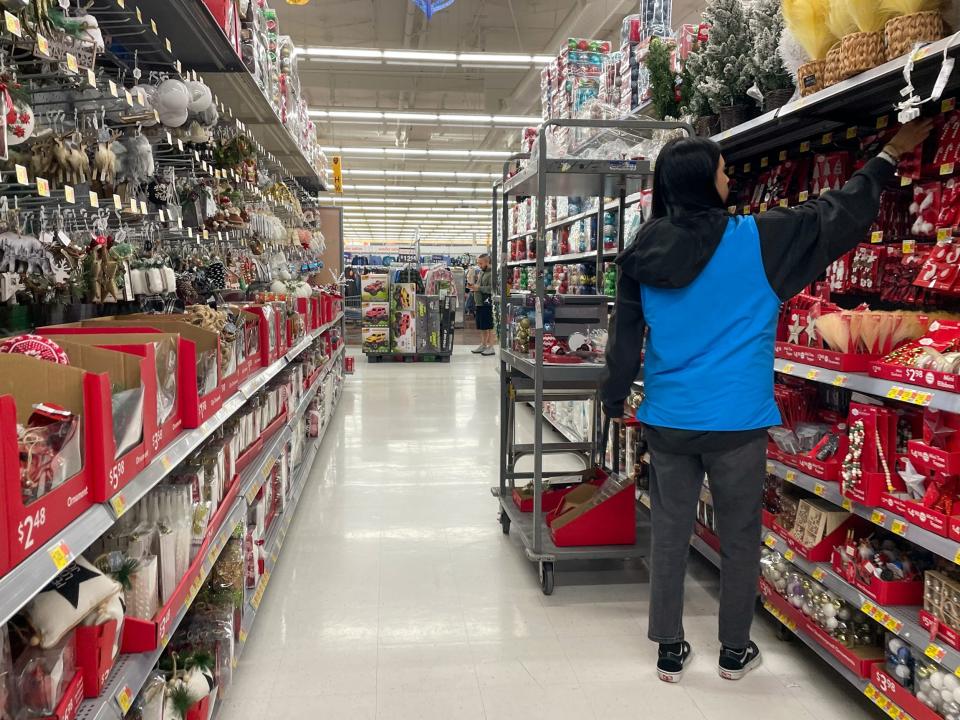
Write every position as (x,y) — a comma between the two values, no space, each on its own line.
(785,439)
(127,419)
(42,676)
(166,358)
(49,456)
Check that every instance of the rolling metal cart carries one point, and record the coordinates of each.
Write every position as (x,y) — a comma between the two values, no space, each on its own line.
(528,380)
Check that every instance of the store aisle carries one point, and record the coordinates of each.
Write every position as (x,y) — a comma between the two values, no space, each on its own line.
(396,595)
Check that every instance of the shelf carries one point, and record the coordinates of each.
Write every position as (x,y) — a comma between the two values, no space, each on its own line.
(866,95)
(712,556)
(34,573)
(567,373)
(572,257)
(830,491)
(613,206)
(580,178)
(938,399)
(131,671)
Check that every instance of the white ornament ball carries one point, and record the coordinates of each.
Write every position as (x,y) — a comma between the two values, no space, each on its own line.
(895,644)
(925,685)
(844,613)
(200,96)
(951,682)
(902,672)
(171,95)
(936,679)
(831,623)
(22,129)
(829,610)
(796,600)
(174,118)
(807,609)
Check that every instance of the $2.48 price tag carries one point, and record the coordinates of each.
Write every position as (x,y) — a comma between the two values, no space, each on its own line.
(61,555)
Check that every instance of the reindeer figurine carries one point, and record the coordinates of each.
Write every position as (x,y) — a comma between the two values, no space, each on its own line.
(105,163)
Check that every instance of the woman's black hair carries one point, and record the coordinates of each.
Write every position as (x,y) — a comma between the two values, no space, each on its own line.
(685,177)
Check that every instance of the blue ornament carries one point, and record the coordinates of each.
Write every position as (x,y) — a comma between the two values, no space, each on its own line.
(429,7)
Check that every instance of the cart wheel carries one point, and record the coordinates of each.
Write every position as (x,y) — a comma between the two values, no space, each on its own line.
(505,522)
(783,633)
(546,577)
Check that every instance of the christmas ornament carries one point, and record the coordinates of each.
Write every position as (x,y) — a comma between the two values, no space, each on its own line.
(42,348)
(20,123)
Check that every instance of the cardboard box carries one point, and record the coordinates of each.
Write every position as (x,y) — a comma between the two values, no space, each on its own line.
(375,314)
(579,520)
(24,382)
(273,337)
(403,332)
(403,296)
(95,655)
(376,340)
(373,288)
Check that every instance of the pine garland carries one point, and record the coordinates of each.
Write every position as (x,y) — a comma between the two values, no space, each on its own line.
(665,84)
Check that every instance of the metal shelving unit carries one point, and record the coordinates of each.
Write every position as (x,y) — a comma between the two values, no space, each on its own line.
(524,379)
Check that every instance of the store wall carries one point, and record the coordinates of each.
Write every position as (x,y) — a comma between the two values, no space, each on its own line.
(331,224)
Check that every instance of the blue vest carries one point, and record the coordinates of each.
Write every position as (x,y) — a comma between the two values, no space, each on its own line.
(709,355)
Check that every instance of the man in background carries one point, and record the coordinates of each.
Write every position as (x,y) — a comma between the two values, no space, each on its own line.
(483,299)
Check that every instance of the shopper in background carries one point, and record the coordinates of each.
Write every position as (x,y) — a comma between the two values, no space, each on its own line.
(483,300)
(709,286)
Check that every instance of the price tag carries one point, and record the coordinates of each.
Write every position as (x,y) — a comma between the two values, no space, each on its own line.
(882,122)
(783,155)
(61,555)
(125,699)
(946,169)
(113,88)
(923,398)
(42,45)
(763,207)
(770,467)
(899,527)
(818,574)
(143,207)
(43,187)
(770,541)
(812,373)
(91,78)
(839,380)
(72,63)
(22,176)
(206,234)
(133,206)
(868,607)
(819,489)
(784,203)
(892,624)
(805,146)
(179,144)
(179,68)
(894,392)
(139,15)
(161,216)
(935,652)
(852,132)
(803,196)
(94,199)
(69,194)
(826,139)
(943,234)
(789,555)
(948,105)
(906,181)
(876,236)
(189,232)
(196,156)
(846,504)
(791,475)
(141,97)
(165,461)
(122,3)
(119,504)
(788,369)
(732,209)
(117,202)
(747,167)
(909,244)
(764,161)
(129,97)
(153,26)
(877,517)
(13,24)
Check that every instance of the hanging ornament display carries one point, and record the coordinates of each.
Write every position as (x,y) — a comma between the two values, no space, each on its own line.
(20,123)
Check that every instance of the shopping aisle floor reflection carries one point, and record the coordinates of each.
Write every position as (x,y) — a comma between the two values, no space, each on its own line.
(397,597)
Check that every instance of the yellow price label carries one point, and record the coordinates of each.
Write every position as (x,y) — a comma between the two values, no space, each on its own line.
(122,3)
(206,234)
(791,475)
(788,554)
(42,45)
(946,169)
(165,461)
(139,15)
(243,636)
(129,97)
(812,373)
(770,467)
(818,574)
(826,139)
(764,161)
(846,504)
(839,380)
(783,155)
(906,181)
(179,68)
(133,206)
(141,97)
(61,555)
(923,398)
(69,194)
(153,26)
(143,207)
(819,489)
(935,652)
(867,607)
(894,392)
(113,88)
(732,209)
(876,236)
(22,176)
(852,132)
(43,187)
(763,207)
(125,699)
(956,557)
(72,65)
(899,527)
(13,23)
(909,245)
(943,234)
(882,122)
(747,167)
(167,45)
(91,78)
(804,196)
(892,624)
(788,368)
(179,144)
(805,146)
(770,541)
(784,203)
(877,517)
(119,504)
(94,199)
(948,105)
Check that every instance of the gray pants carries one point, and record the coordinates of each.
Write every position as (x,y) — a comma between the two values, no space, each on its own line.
(736,484)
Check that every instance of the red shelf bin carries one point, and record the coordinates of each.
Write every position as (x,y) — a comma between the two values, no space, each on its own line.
(69,705)
(936,628)
(553,496)
(24,382)
(272,333)
(901,697)
(95,655)
(901,592)
(913,376)
(575,522)
(829,359)
(823,550)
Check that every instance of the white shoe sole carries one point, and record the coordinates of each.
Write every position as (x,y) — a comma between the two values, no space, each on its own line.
(738,674)
(669,677)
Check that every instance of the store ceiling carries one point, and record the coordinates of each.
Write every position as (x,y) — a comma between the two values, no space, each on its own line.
(340,84)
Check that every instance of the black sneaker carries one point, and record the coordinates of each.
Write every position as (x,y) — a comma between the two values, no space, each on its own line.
(734,664)
(670,660)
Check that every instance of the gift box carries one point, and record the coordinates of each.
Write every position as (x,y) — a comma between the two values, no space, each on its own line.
(273,341)
(306,308)
(596,515)
(94,645)
(27,525)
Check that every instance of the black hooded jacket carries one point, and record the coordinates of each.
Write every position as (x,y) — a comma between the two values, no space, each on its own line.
(797,245)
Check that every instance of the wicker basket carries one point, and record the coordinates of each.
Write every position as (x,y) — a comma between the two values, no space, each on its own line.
(903,32)
(859,52)
(777,98)
(707,125)
(831,69)
(733,115)
(810,77)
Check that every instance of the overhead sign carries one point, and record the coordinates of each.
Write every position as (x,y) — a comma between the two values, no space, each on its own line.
(337,163)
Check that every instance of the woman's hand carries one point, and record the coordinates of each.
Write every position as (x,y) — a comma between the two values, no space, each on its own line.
(909,136)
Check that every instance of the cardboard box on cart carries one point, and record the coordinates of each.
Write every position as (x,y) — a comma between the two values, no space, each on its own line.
(25,526)
(198,366)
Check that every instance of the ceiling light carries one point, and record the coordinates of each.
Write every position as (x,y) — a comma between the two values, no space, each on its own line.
(358,115)
(516,120)
(419,55)
(469,58)
(494,58)
(341,52)
(454,117)
(409,116)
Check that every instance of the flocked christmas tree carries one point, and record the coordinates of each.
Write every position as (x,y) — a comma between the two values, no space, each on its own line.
(765,20)
(719,65)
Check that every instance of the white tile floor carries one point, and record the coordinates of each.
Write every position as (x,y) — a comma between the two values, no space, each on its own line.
(397,596)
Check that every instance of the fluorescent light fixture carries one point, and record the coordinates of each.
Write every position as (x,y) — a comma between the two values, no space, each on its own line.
(494,58)
(455,117)
(419,55)
(516,120)
(355,115)
(410,116)
(405,151)
(490,153)
(543,59)
(341,52)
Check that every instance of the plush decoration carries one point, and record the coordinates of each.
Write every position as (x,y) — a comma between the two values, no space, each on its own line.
(868,15)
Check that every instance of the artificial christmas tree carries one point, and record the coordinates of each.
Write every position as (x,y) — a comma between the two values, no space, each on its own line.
(719,64)
(765,66)
(669,89)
